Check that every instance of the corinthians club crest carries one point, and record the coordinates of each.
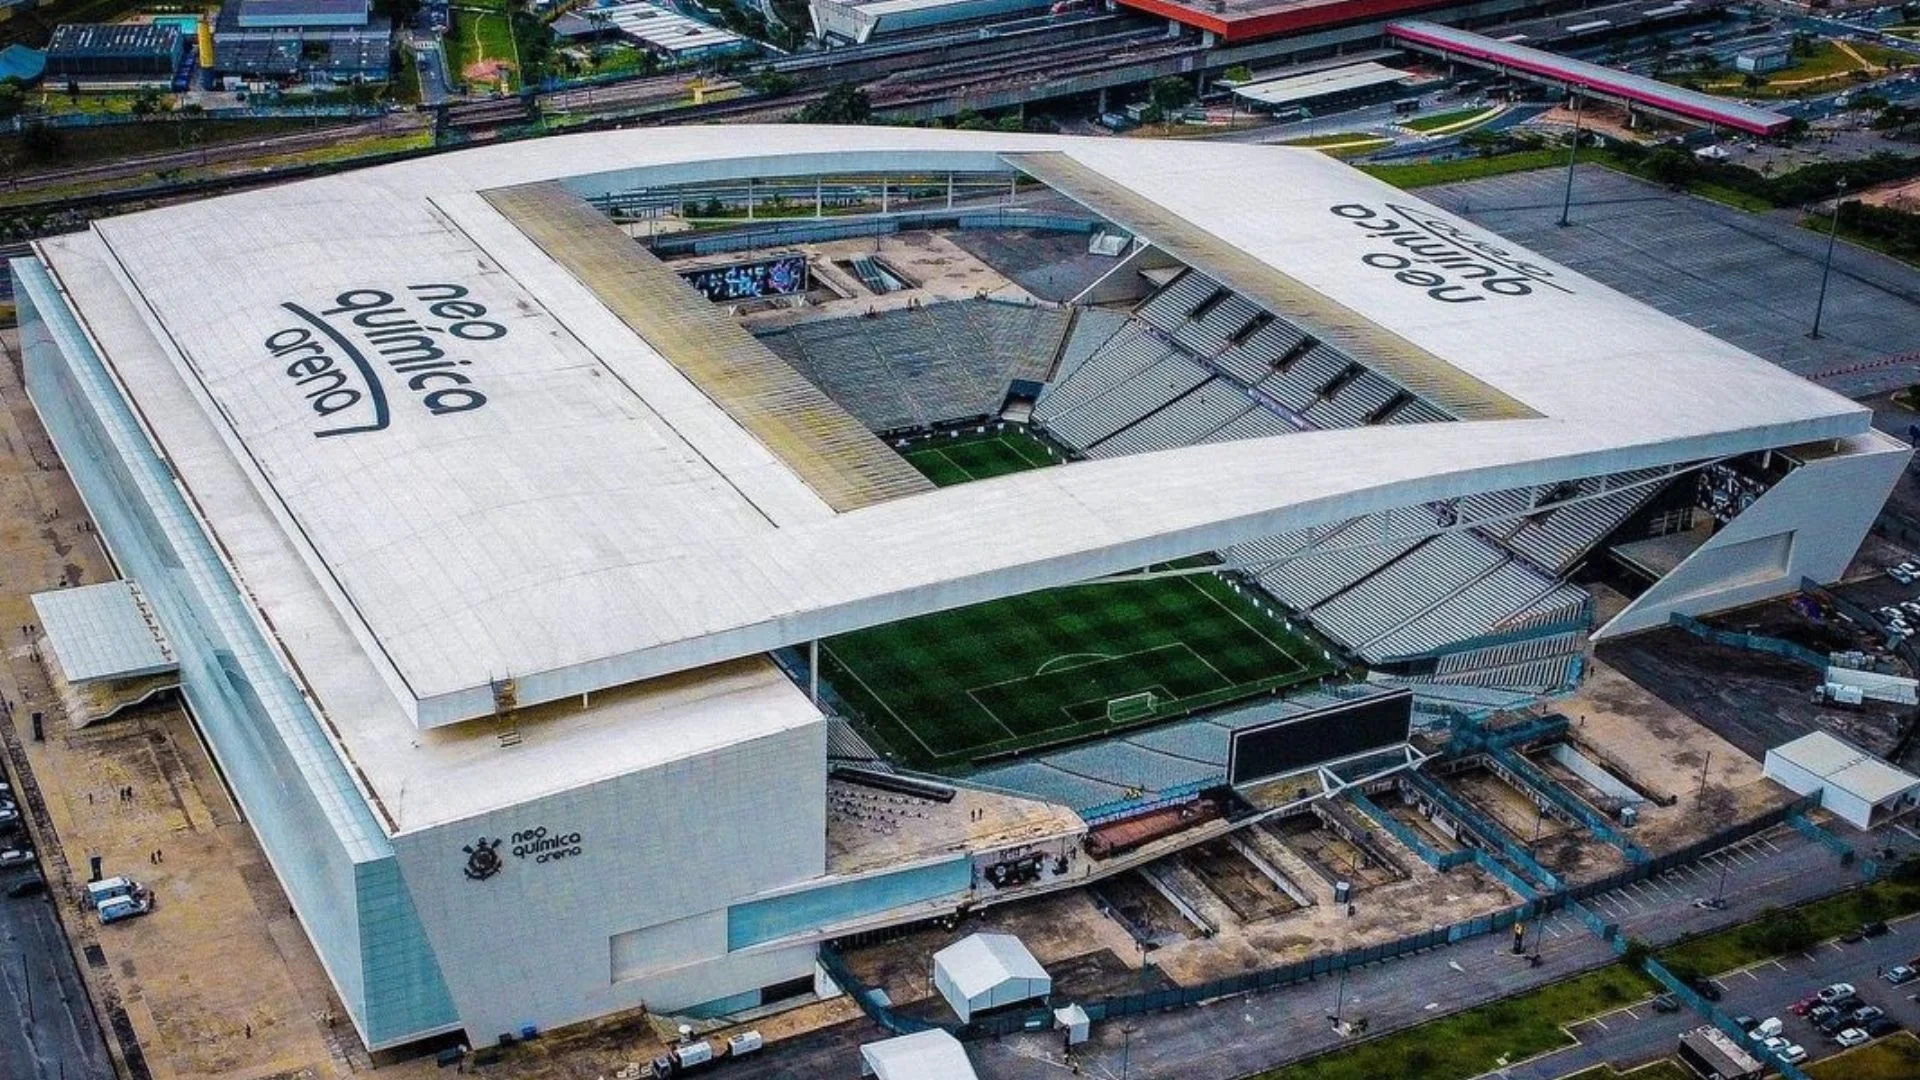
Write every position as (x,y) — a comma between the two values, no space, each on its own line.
(483,859)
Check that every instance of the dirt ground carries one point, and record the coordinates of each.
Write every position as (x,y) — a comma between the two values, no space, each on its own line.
(1662,749)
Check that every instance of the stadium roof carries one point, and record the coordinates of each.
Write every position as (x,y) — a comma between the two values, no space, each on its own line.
(1665,97)
(439,460)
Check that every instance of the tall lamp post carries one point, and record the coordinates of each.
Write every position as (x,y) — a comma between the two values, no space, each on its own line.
(1826,269)
(1573,155)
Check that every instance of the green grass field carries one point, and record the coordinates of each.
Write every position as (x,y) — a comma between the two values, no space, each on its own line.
(943,690)
(1469,1043)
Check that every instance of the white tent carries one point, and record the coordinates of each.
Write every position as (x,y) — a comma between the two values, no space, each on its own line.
(925,1055)
(985,971)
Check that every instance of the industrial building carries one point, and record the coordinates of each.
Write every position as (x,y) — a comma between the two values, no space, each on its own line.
(495,560)
(114,55)
(859,21)
(321,41)
(668,34)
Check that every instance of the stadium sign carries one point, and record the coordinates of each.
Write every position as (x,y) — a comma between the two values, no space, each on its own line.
(341,357)
(1449,263)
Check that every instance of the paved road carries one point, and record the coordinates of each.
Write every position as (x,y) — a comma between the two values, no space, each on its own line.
(47,1026)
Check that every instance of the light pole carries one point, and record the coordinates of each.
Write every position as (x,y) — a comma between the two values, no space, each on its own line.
(1833,233)
(1126,1049)
(1573,155)
(1340,998)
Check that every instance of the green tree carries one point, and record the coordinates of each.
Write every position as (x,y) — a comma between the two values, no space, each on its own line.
(1169,93)
(12,99)
(148,103)
(843,104)
(42,142)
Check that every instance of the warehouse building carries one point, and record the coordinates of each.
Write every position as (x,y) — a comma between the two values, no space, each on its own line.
(115,56)
(491,555)
(1856,786)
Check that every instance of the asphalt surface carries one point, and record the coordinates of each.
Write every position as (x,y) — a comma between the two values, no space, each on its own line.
(1749,279)
(47,1028)
(1637,1034)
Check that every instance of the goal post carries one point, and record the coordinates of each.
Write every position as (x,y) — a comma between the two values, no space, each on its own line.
(1130,707)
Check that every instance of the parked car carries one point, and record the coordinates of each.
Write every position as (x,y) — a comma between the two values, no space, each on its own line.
(1848,1004)
(32,885)
(1793,1054)
(1805,1005)
(1835,992)
(16,857)
(1705,987)
(124,907)
(1835,1024)
(1666,1003)
(8,817)
(1885,1025)
(1747,1023)
(1866,1014)
(1768,1028)
(1820,1014)
(1875,928)
(1899,975)
(1851,1037)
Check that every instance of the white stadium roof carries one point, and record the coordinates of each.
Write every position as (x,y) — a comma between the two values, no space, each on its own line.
(601,519)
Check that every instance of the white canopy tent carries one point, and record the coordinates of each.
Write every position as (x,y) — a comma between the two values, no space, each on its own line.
(924,1055)
(985,971)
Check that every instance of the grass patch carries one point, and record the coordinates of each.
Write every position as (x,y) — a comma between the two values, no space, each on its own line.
(1447,119)
(481,33)
(1427,174)
(1334,139)
(1827,67)
(1896,1057)
(1664,1069)
(1881,244)
(1791,929)
(1473,1042)
(1726,196)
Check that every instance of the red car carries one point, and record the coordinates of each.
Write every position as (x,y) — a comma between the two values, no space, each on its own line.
(1799,1008)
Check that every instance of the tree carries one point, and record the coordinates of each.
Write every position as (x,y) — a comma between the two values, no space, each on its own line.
(12,100)
(1802,44)
(1752,81)
(43,142)
(1669,166)
(148,103)
(843,104)
(1169,93)
(1238,73)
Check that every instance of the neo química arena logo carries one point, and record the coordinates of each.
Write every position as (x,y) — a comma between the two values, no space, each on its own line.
(1448,263)
(343,359)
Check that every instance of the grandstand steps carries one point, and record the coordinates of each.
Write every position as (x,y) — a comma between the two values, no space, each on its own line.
(1548,675)
(1305,876)
(1187,890)
(1439,600)
(1516,652)
(1245,841)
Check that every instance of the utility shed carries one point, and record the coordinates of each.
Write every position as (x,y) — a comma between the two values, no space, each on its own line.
(1853,784)
(986,971)
(924,1055)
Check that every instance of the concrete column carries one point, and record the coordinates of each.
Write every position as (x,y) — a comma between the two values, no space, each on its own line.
(749,198)
(1102,107)
(819,205)
(949,191)
(813,671)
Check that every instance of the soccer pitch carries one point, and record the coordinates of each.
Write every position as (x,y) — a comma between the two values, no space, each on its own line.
(941,691)
(949,460)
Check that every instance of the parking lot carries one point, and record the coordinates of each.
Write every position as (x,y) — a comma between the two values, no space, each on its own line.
(1748,279)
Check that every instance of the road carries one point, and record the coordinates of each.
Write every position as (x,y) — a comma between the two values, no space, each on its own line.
(49,1029)
(47,1025)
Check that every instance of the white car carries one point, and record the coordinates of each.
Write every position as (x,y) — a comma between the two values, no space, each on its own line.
(1851,1037)
(1835,992)
(16,857)
(1793,1054)
(1768,1030)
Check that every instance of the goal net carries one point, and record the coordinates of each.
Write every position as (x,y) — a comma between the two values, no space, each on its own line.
(1131,707)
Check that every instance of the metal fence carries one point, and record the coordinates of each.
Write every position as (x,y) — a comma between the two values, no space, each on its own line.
(1755,642)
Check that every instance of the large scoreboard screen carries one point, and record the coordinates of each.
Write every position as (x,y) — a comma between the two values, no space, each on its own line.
(784,275)
(1329,734)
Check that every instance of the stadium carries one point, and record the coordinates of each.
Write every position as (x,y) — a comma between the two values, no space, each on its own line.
(606,568)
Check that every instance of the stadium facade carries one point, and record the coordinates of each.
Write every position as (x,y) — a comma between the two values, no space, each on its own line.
(472,528)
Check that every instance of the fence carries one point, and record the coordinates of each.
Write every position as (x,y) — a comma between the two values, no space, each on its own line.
(1559,899)
(1399,831)
(1754,642)
(1691,998)
(291,112)
(1567,804)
